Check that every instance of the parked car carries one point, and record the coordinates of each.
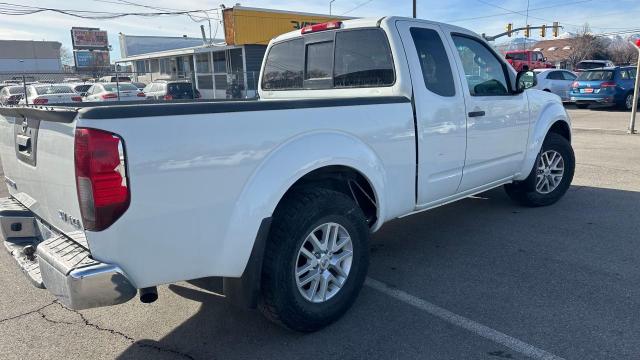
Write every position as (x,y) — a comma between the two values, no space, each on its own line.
(523,60)
(555,81)
(610,86)
(592,64)
(358,123)
(171,90)
(110,79)
(41,94)
(109,92)
(11,95)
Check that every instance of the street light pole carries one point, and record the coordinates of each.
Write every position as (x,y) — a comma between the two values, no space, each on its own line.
(415,12)
(330,2)
(636,90)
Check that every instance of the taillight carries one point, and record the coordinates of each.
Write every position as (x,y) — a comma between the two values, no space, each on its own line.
(608,84)
(40,101)
(109,96)
(321,27)
(141,94)
(168,97)
(76,98)
(103,191)
(575,84)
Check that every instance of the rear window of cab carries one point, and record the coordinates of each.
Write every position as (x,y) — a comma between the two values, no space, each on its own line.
(350,59)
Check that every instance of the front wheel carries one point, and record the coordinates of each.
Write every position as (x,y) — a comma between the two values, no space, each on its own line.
(550,177)
(315,261)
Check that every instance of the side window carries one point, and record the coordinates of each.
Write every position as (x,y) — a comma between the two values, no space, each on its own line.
(632,74)
(362,58)
(555,75)
(436,69)
(568,76)
(284,65)
(624,75)
(484,72)
(539,56)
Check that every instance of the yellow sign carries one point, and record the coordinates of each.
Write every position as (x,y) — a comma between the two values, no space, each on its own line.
(258,26)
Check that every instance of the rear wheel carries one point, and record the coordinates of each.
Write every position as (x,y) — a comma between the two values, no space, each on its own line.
(628,102)
(316,259)
(550,177)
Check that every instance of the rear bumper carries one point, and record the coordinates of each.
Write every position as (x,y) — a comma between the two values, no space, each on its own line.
(60,264)
(579,99)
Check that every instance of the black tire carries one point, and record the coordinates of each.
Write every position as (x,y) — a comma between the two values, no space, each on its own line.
(300,213)
(627,103)
(525,193)
(582,106)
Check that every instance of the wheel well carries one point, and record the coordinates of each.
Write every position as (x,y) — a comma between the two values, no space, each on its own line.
(561,128)
(345,180)
(547,90)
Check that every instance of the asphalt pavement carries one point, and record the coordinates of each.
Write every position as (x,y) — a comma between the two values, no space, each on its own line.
(479,279)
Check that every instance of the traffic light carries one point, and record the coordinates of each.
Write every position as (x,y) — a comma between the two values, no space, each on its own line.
(556,28)
(509,29)
(543,31)
(527,31)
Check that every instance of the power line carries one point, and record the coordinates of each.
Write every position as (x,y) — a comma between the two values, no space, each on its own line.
(21,10)
(357,7)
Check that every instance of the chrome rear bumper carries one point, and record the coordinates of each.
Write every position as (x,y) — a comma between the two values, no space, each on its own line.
(62,265)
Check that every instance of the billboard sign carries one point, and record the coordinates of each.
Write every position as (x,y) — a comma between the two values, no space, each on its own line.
(89,38)
(87,59)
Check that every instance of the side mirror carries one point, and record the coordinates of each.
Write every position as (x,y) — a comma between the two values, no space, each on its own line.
(544,59)
(525,80)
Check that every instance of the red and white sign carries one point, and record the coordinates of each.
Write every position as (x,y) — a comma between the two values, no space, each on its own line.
(84,38)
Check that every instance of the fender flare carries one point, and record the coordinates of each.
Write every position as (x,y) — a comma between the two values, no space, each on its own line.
(285,165)
(551,113)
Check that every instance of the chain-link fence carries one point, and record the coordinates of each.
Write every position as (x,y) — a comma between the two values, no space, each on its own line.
(98,86)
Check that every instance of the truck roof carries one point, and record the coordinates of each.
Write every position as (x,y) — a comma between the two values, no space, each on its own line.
(375,22)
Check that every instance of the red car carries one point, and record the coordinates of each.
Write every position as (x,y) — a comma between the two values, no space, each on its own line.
(527,60)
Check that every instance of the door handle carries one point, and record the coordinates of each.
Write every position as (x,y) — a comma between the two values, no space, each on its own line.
(476,113)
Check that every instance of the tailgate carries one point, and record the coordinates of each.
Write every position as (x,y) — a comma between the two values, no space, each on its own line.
(37,153)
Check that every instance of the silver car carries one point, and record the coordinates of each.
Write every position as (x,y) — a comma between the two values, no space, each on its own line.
(113,92)
(557,81)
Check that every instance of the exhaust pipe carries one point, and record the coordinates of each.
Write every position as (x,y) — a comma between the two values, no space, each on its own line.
(148,295)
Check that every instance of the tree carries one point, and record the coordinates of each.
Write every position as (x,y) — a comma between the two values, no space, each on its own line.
(66,57)
(586,46)
(622,52)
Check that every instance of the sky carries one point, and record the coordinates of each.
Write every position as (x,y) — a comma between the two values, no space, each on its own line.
(481,16)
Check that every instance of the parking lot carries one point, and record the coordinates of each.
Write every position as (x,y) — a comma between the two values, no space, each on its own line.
(479,279)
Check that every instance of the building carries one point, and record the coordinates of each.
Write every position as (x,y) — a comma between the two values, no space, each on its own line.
(30,56)
(221,69)
(133,45)
(557,51)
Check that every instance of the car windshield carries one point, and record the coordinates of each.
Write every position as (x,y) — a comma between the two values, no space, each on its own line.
(598,75)
(590,65)
(123,87)
(82,88)
(16,90)
(179,88)
(53,89)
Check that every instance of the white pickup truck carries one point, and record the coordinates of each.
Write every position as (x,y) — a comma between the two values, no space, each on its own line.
(359,122)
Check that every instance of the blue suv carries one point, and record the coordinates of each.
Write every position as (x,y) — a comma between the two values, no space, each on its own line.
(610,85)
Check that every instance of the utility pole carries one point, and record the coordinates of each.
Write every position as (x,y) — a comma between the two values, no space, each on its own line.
(634,105)
(415,12)
(330,2)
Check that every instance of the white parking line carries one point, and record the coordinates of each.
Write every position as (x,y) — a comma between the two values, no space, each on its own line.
(461,321)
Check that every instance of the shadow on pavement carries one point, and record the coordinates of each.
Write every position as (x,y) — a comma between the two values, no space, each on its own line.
(517,269)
